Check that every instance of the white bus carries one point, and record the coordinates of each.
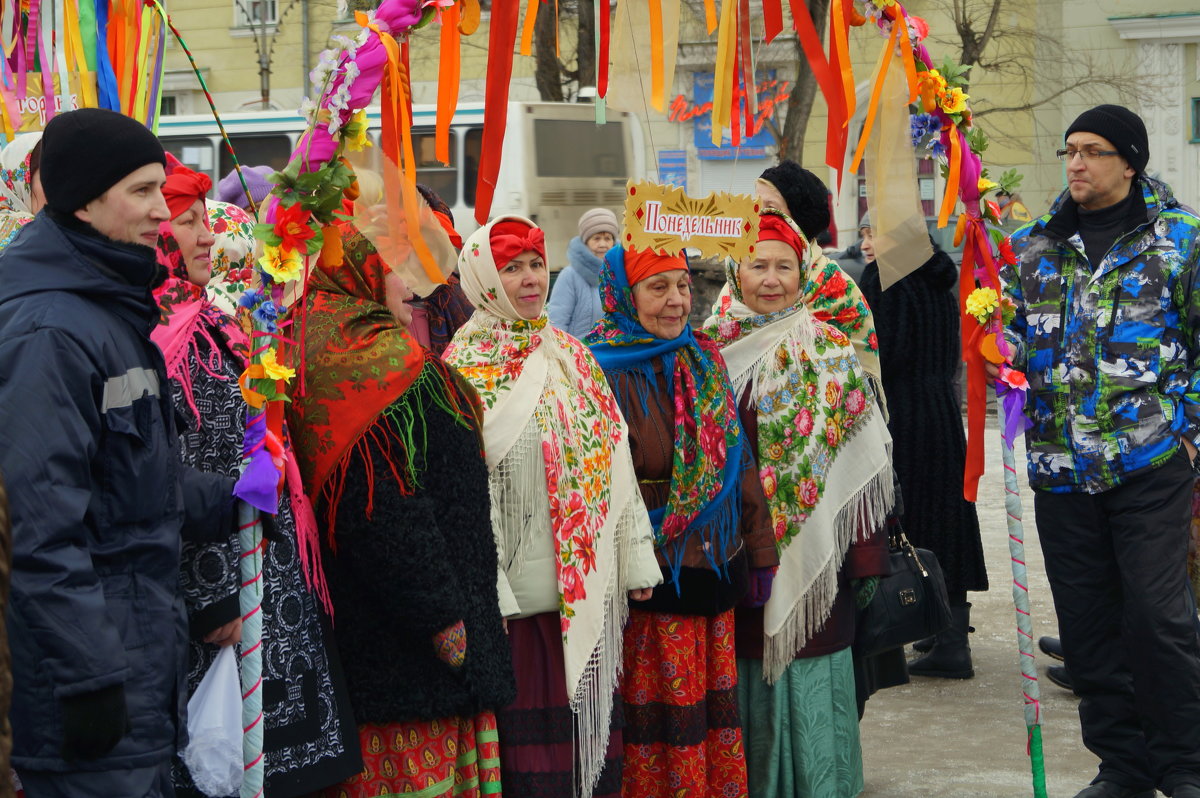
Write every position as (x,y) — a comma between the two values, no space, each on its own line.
(557,162)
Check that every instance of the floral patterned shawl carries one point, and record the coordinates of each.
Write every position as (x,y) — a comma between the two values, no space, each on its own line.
(824,452)
(835,299)
(186,315)
(546,402)
(232,254)
(357,362)
(16,186)
(705,492)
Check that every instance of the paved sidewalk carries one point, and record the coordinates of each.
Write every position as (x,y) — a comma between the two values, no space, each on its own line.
(940,738)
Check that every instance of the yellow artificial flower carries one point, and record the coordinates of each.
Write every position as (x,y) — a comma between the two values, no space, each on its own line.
(954,101)
(284,265)
(885,3)
(354,134)
(932,86)
(982,303)
(986,185)
(274,369)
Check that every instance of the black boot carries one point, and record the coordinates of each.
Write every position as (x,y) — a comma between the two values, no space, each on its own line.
(950,657)
(924,646)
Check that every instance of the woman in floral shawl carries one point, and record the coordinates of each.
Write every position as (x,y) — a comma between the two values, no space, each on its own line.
(21,195)
(823,454)
(711,526)
(388,443)
(309,733)
(570,524)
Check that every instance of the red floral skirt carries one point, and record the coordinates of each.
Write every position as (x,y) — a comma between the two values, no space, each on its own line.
(683,733)
(456,757)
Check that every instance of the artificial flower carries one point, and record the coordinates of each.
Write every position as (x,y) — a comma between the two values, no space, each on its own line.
(932,86)
(986,185)
(918,27)
(294,226)
(273,369)
(284,265)
(881,4)
(954,101)
(354,134)
(982,303)
(1006,252)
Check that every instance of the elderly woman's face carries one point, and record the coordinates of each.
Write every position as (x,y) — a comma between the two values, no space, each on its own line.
(526,280)
(191,230)
(771,279)
(663,302)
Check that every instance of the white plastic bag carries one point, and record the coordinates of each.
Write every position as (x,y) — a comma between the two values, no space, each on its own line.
(214,751)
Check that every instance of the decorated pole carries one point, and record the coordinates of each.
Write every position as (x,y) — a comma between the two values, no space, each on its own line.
(1029,678)
(250,660)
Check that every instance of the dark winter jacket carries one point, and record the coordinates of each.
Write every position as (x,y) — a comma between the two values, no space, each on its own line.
(575,305)
(1111,353)
(87,448)
(411,566)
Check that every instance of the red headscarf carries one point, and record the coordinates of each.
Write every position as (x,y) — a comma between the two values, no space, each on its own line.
(509,239)
(184,187)
(773,227)
(640,264)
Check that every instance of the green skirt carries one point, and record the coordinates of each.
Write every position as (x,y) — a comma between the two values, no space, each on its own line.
(801,734)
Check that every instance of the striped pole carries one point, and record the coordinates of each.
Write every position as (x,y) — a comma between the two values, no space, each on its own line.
(1029,678)
(250,598)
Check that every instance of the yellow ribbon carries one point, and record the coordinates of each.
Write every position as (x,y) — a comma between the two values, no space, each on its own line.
(723,71)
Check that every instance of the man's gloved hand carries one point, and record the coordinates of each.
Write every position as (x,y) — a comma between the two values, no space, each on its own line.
(450,644)
(93,723)
(761,580)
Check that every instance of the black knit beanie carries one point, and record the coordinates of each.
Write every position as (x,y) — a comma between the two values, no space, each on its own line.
(87,152)
(1122,127)
(806,196)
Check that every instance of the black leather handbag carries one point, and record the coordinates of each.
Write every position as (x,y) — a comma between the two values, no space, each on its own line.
(909,604)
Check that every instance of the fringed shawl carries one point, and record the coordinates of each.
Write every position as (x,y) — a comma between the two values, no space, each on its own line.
(824,454)
(705,492)
(546,402)
(16,185)
(357,362)
(186,316)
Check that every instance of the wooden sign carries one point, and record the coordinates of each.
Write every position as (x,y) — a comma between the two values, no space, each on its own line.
(667,219)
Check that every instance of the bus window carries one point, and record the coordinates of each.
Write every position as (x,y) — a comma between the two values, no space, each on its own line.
(472,147)
(578,148)
(430,171)
(272,151)
(195,153)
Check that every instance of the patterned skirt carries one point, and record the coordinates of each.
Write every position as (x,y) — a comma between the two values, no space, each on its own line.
(683,736)
(537,749)
(449,758)
(802,732)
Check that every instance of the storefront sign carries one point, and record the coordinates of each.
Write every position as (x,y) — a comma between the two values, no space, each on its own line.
(699,110)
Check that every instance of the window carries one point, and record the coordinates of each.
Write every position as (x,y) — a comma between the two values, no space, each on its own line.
(255,12)
(168,106)
(194,153)
(579,148)
(272,151)
(472,147)
(430,171)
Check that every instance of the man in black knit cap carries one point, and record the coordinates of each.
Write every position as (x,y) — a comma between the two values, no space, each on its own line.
(98,499)
(1106,330)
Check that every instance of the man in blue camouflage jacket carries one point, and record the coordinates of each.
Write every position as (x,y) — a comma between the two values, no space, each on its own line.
(1106,331)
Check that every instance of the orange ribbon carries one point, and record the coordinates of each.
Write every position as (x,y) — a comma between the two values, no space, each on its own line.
(710,15)
(952,178)
(449,71)
(527,31)
(399,170)
(657,92)
(881,69)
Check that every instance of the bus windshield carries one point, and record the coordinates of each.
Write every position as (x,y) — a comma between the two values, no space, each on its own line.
(579,148)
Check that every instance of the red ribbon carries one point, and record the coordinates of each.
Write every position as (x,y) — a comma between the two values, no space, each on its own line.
(501,38)
(510,239)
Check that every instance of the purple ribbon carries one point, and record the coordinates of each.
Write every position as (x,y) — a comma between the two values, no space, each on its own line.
(259,484)
(1012,410)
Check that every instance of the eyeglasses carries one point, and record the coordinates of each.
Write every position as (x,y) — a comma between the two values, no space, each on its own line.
(1088,155)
